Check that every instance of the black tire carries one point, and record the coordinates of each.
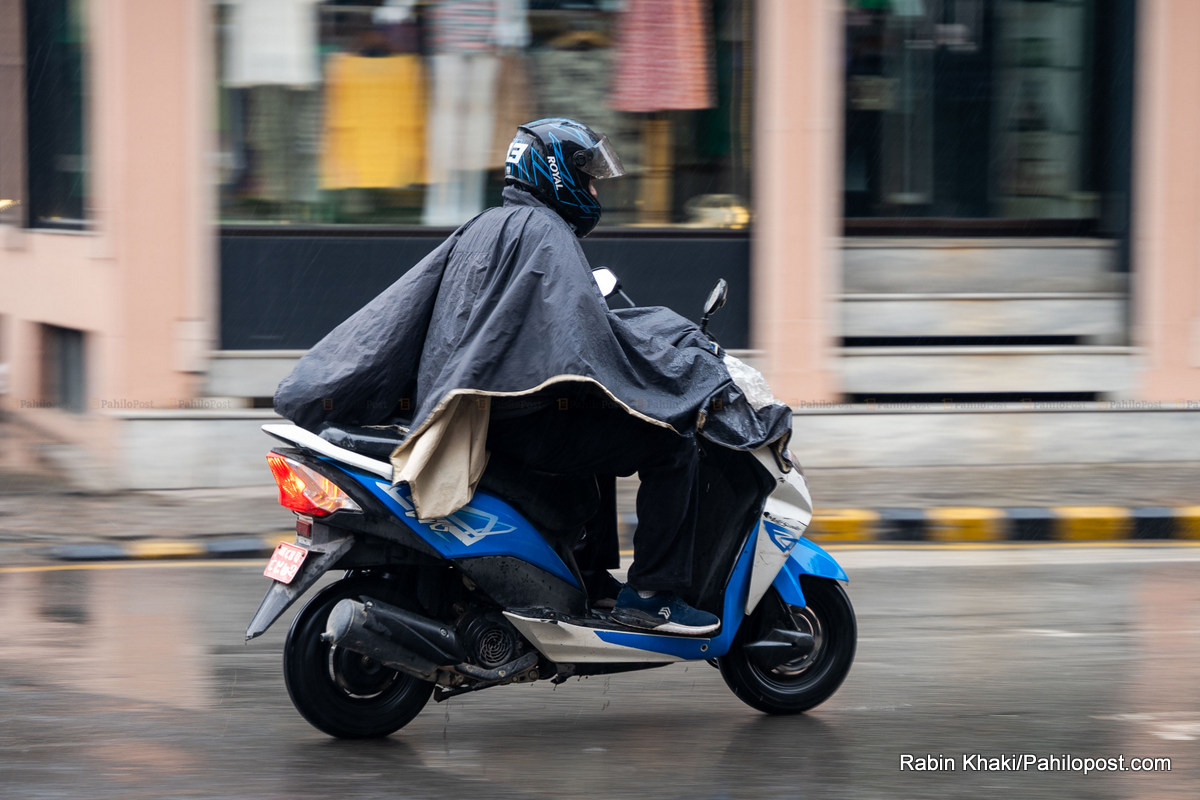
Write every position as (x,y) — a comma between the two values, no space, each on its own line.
(803,684)
(345,694)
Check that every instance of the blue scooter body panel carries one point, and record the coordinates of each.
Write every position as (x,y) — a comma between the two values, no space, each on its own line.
(487,526)
(694,648)
(806,558)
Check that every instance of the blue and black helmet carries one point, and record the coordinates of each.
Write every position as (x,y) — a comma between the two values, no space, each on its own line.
(556,159)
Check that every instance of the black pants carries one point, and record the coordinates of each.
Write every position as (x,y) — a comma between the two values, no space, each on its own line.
(580,437)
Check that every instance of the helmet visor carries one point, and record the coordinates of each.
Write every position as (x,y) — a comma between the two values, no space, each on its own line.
(601,160)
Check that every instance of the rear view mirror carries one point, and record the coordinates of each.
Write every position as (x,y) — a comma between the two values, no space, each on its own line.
(606,280)
(716,298)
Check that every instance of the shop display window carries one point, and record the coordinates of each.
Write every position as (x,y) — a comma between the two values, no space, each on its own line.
(986,109)
(400,112)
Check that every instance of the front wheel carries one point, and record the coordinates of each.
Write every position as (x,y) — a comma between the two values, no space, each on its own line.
(346,694)
(804,683)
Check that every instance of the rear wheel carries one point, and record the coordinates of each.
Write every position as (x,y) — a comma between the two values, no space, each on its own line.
(801,684)
(346,694)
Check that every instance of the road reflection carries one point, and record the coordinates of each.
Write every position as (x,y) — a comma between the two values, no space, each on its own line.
(101,632)
(1166,659)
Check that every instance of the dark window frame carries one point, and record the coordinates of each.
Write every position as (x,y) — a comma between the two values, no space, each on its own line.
(56,91)
(63,378)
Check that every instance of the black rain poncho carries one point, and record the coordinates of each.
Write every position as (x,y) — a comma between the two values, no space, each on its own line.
(505,306)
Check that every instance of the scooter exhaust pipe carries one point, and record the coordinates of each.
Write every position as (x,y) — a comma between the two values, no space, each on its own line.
(395,637)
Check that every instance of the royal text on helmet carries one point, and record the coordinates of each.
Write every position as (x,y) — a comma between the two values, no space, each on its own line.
(553,162)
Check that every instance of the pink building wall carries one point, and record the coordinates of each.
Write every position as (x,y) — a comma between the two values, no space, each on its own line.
(141,283)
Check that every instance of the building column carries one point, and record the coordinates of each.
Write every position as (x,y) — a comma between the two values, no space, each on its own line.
(1166,215)
(797,201)
(155,191)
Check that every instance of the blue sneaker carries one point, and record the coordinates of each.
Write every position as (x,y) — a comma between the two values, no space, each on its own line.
(662,613)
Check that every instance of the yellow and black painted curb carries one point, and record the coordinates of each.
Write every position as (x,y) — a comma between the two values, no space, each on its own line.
(981,524)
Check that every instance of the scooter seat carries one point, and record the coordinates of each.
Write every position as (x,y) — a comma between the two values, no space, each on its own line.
(377,442)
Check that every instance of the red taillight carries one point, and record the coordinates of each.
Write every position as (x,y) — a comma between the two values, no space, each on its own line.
(306,491)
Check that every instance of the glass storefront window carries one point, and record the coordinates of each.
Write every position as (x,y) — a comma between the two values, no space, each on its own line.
(56,96)
(400,112)
(983,109)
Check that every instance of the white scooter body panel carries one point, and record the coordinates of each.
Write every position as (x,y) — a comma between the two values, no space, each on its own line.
(786,515)
(565,643)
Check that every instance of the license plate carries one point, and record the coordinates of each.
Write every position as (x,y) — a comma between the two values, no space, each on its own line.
(285,562)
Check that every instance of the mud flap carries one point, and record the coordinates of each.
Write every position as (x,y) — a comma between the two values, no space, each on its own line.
(806,558)
(281,595)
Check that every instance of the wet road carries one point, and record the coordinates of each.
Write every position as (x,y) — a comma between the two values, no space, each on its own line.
(133,682)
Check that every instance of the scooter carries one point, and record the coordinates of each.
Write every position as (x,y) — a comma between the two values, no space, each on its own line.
(491,594)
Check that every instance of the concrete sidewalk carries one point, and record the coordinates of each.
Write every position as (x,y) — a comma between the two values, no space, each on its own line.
(44,521)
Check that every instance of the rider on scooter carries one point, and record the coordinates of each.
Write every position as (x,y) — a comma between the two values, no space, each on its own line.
(500,336)
(554,163)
